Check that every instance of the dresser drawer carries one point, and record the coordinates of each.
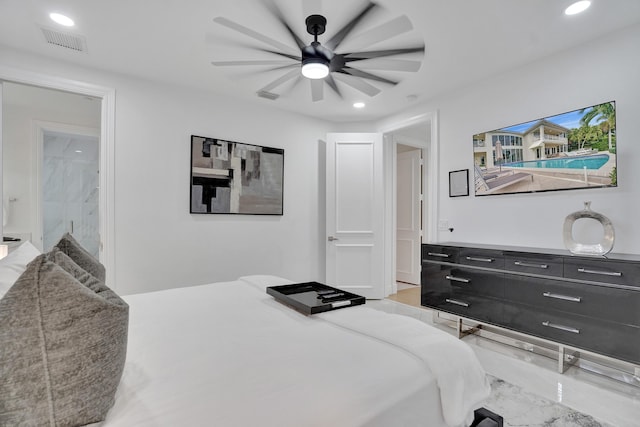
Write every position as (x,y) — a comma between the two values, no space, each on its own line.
(449,279)
(616,305)
(600,270)
(611,339)
(548,265)
(481,258)
(466,305)
(439,253)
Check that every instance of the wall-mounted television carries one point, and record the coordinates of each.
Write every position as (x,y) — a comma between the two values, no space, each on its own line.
(573,150)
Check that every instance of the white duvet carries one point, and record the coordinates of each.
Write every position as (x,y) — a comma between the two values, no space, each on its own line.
(228,354)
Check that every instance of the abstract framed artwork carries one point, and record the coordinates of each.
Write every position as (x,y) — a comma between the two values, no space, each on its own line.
(229,177)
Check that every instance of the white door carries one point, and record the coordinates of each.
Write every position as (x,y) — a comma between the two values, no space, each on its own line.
(355,213)
(408,225)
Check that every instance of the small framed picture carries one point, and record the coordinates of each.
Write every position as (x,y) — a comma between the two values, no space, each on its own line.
(459,183)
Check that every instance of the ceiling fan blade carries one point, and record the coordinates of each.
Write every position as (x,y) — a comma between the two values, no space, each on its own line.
(332,84)
(291,85)
(365,75)
(387,64)
(275,10)
(358,84)
(284,67)
(335,41)
(286,55)
(380,53)
(382,32)
(255,35)
(317,89)
(280,80)
(242,73)
(256,62)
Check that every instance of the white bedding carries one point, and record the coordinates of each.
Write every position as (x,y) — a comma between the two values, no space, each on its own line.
(228,354)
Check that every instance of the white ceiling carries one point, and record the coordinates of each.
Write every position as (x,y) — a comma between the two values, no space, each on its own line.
(175,41)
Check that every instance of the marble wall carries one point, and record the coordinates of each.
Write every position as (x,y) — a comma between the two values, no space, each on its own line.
(70,189)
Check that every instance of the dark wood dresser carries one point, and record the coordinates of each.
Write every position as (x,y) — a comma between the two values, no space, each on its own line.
(584,302)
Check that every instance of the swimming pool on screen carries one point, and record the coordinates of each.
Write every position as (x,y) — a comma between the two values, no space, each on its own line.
(591,162)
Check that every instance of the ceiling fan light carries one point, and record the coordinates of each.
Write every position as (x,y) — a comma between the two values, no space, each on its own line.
(315,68)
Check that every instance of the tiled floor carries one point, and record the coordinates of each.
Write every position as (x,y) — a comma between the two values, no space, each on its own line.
(606,400)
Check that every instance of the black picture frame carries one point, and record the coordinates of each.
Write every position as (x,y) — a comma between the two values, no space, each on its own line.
(229,177)
(459,183)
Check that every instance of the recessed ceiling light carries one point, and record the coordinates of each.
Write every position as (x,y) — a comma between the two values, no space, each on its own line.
(577,7)
(78,151)
(358,105)
(61,19)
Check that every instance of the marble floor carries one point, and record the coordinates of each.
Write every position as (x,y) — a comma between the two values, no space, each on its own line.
(598,400)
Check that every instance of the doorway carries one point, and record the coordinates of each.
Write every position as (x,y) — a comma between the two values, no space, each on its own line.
(408,214)
(414,211)
(104,98)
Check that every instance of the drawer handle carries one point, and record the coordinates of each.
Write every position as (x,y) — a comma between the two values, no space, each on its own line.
(438,254)
(527,264)
(457,279)
(562,297)
(604,273)
(456,302)
(561,327)
(472,258)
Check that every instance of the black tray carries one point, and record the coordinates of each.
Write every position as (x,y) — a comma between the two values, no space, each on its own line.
(311,297)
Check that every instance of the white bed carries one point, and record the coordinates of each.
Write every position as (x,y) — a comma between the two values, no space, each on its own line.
(228,354)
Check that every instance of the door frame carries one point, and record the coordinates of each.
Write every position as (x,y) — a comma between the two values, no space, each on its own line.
(38,129)
(107,149)
(430,151)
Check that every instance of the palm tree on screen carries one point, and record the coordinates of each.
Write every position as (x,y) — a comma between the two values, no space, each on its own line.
(606,114)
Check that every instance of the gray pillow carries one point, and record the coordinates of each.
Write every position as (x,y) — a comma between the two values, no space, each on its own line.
(63,348)
(84,259)
(70,266)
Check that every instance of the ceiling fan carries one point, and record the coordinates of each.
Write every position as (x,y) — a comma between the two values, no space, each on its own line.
(325,62)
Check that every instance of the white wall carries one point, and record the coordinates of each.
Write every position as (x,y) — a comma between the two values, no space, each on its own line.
(603,70)
(158,244)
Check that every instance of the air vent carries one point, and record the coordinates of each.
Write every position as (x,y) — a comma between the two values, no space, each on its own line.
(68,41)
(268,95)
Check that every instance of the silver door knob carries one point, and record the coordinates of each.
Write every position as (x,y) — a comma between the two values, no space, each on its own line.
(331,238)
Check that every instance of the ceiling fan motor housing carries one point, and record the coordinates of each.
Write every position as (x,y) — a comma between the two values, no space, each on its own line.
(315,61)
(316,51)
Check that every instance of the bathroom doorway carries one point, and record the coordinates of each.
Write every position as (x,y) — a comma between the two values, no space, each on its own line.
(18,180)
